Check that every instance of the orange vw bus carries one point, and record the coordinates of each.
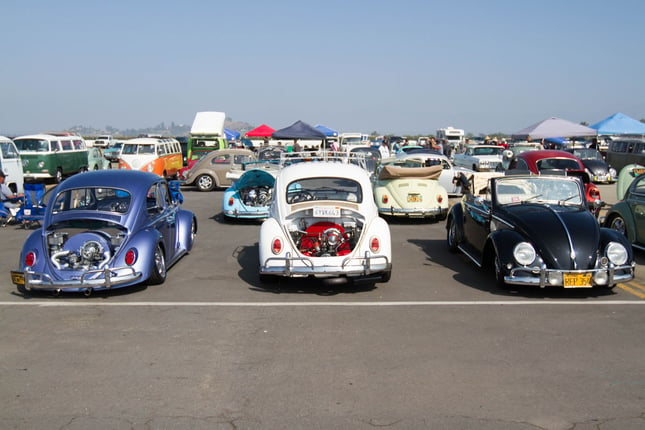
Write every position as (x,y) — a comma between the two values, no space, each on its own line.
(157,155)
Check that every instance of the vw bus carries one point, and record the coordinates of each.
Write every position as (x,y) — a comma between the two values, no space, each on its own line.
(52,155)
(11,165)
(157,155)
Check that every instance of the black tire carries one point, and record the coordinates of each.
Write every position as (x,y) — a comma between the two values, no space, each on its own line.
(193,233)
(59,176)
(158,269)
(499,276)
(451,237)
(618,223)
(386,276)
(205,182)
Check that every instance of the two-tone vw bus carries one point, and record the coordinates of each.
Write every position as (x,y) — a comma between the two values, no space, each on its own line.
(150,154)
(11,165)
(52,155)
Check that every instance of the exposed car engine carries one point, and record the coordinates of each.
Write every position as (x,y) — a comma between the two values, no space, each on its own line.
(88,250)
(257,196)
(315,238)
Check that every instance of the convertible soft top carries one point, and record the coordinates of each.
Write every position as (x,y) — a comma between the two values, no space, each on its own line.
(398,172)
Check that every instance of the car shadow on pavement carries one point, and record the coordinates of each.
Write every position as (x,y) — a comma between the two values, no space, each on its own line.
(394,220)
(102,294)
(479,278)
(247,257)
(222,219)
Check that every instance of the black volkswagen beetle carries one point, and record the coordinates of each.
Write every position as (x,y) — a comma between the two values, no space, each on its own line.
(537,230)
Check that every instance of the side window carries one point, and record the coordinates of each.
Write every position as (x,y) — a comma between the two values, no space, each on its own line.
(161,149)
(152,200)
(55,145)
(221,159)
(9,151)
(67,145)
(639,187)
(164,195)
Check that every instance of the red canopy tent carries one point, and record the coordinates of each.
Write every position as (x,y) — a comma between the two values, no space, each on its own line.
(261,131)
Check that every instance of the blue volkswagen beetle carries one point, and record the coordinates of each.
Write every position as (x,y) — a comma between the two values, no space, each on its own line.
(251,194)
(105,230)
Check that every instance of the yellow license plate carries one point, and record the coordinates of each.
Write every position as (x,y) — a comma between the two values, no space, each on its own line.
(414,198)
(18,278)
(577,280)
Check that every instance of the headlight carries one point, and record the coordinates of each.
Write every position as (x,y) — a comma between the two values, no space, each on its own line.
(612,172)
(524,253)
(616,253)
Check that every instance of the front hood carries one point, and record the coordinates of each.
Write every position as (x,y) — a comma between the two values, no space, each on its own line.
(566,237)
(597,167)
(256,178)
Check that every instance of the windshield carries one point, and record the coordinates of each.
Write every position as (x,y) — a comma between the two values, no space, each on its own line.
(538,190)
(32,145)
(587,154)
(94,199)
(8,150)
(324,189)
(487,151)
(557,164)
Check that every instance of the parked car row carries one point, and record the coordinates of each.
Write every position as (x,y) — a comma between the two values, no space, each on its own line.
(531,226)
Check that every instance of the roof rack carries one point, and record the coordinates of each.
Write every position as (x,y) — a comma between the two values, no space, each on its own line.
(288,158)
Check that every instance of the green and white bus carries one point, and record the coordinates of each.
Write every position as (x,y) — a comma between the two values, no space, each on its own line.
(51,156)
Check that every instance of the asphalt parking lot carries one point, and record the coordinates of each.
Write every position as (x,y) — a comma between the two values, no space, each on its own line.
(439,346)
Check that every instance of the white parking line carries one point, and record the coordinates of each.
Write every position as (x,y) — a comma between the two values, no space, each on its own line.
(89,303)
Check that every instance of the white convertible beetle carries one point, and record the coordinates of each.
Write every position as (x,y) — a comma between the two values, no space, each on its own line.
(323,222)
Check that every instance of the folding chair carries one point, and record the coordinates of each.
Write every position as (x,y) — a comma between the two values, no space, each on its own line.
(33,209)
(5,215)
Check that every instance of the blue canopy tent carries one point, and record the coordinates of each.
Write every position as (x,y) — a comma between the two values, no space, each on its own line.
(328,131)
(231,134)
(298,130)
(619,123)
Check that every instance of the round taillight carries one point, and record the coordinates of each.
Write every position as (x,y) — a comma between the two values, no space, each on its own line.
(439,198)
(276,247)
(231,201)
(385,199)
(130,257)
(30,259)
(375,244)
(594,192)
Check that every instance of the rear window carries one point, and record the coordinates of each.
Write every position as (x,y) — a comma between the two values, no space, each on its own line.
(310,189)
(94,199)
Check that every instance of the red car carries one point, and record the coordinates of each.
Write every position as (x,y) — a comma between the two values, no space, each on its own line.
(557,162)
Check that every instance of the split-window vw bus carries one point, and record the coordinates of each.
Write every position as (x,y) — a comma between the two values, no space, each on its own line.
(157,155)
(51,156)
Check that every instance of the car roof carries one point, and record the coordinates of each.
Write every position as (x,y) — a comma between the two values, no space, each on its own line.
(314,169)
(534,156)
(132,180)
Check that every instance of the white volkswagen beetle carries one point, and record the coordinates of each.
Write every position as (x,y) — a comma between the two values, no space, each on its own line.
(324,223)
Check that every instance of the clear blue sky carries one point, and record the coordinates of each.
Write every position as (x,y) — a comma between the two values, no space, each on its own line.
(405,67)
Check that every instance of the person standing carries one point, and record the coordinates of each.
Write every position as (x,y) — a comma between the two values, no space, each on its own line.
(384,149)
(334,146)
